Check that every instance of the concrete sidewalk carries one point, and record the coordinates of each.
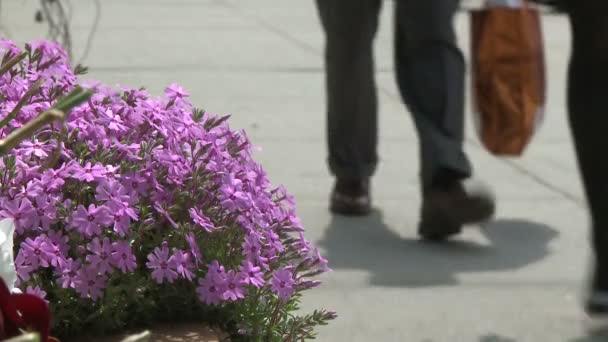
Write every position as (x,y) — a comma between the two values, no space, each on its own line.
(518,280)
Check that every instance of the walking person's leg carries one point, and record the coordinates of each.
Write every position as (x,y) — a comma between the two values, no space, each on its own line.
(430,75)
(588,113)
(350,27)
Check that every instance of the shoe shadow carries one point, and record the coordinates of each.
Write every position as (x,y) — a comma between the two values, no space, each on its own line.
(368,244)
(592,338)
(496,338)
(596,331)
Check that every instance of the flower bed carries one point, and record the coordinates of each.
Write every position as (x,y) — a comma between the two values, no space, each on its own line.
(144,209)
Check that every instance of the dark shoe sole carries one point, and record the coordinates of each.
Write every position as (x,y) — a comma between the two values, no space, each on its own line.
(437,229)
(350,206)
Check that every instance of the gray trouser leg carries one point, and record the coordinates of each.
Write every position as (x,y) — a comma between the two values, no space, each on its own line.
(350,27)
(430,74)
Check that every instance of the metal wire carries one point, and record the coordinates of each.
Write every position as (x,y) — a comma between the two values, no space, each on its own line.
(93,31)
(53,11)
(58,14)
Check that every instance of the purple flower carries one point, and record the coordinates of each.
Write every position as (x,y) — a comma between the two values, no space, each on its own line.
(162,266)
(184,263)
(274,240)
(215,268)
(59,239)
(68,273)
(21,211)
(88,221)
(8,46)
(135,182)
(36,291)
(234,286)
(202,220)
(251,274)
(23,266)
(122,256)
(122,222)
(33,254)
(320,261)
(282,283)
(52,180)
(174,91)
(231,195)
(115,195)
(175,164)
(211,289)
(113,121)
(251,246)
(31,190)
(302,245)
(35,148)
(46,212)
(89,283)
(88,172)
(101,258)
(258,175)
(282,195)
(53,251)
(110,172)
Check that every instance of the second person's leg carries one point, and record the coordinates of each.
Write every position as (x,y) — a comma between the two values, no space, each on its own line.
(430,75)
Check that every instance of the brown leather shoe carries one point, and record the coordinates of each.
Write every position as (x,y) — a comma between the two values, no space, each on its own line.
(446,210)
(351,197)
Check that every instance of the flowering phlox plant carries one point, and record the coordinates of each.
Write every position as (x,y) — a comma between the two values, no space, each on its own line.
(150,209)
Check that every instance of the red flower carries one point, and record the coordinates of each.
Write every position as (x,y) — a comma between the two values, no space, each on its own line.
(23,312)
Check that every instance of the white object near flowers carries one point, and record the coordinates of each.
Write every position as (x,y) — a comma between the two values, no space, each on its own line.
(7,262)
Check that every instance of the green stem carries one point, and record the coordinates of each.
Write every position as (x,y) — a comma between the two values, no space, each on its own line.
(12,62)
(273,319)
(73,99)
(57,151)
(48,63)
(23,132)
(57,112)
(292,331)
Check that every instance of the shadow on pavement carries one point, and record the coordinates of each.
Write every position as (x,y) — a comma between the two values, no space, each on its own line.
(496,338)
(368,244)
(592,338)
(597,331)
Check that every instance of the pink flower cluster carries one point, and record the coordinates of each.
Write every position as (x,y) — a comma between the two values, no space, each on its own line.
(142,185)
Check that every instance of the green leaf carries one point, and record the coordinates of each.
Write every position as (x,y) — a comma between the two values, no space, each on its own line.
(12,62)
(73,99)
(81,70)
